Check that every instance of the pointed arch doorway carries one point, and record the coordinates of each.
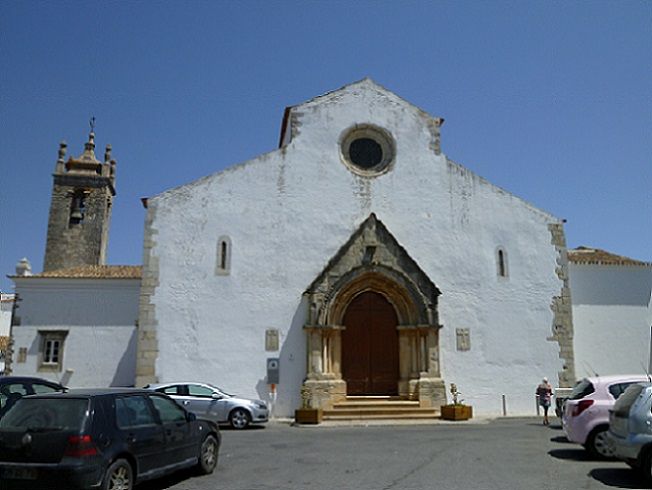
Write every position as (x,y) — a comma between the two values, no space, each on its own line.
(370,355)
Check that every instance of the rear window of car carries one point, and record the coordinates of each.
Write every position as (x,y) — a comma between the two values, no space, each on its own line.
(582,389)
(171,390)
(625,402)
(47,413)
(42,388)
(619,388)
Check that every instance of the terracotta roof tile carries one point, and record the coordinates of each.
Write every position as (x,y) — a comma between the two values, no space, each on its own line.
(93,272)
(586,255)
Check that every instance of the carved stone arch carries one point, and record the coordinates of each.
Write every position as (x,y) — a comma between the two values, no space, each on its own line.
(410,305)
(373,260)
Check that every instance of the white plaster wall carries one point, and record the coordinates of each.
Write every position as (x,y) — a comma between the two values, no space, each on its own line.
(6,305)
(611,317)
(100,317)
(288,212)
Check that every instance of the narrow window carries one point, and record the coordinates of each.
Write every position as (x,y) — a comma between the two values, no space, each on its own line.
(223,251)
(223,266)
(501,262)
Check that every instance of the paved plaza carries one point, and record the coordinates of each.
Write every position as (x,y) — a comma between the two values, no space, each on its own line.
(496,454)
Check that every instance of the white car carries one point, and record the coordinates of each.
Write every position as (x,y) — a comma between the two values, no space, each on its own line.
(210,402)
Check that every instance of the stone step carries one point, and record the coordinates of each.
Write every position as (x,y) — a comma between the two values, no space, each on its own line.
(430,414)
(373,404)
(379,410)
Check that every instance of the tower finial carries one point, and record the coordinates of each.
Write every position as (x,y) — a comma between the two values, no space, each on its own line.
(92,124)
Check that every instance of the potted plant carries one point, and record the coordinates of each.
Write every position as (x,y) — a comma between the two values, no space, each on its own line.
(456,410)
(306,414)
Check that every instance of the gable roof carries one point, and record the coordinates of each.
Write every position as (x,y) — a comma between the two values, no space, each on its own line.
(91,272)
(596,256)
(366,84)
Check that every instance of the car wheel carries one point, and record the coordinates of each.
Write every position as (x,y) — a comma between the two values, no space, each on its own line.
(118,476)
(208,455)
(239,418)
(598,444)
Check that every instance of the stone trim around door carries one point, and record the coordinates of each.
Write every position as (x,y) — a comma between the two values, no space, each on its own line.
(373,260)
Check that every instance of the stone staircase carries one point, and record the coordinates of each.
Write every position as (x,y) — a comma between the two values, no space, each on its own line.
(379,408)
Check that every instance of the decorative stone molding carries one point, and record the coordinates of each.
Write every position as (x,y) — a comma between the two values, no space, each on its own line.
(373,260)
(562,329)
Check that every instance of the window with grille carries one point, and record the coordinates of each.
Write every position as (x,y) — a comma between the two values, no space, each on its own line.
(51,353)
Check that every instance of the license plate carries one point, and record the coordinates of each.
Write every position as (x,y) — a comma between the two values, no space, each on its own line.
(20,473)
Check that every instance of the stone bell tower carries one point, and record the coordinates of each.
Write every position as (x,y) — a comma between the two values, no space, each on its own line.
(80,211)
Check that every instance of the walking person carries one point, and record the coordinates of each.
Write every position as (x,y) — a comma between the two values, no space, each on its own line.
(544,395)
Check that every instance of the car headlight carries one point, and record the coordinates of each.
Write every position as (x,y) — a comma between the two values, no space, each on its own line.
(261,406)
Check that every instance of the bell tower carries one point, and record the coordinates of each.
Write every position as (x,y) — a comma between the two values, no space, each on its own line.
(80,210)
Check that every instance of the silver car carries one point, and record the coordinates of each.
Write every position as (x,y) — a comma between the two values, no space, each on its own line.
(210,402)
(630,428)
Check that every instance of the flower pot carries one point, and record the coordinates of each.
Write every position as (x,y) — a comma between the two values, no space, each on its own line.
(308,415)
(456,412)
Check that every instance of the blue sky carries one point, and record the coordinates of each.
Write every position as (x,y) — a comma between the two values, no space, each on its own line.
(551,101)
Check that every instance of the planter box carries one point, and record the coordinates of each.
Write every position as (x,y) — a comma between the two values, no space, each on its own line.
(456,412)
(308,415)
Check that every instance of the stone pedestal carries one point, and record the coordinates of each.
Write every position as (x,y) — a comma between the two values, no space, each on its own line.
(432,392)
(323,393)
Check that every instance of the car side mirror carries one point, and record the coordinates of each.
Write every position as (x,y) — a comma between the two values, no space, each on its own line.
(191,417)
(215,396)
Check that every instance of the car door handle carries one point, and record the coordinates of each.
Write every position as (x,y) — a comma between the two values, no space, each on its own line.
(186,402)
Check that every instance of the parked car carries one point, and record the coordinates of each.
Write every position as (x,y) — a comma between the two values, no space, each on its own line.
(630,428)
(561,395)
(13,388)
(104,438)
(586,412)
(210,402)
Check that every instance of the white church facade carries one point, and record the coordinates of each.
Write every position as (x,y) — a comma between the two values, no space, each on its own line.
(357,259)
(382,267)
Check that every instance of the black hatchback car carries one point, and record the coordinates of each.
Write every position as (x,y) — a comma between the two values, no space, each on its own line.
(104,438)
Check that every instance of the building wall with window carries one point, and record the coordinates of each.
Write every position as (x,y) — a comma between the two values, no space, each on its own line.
(612,312)
(78,326)
(313,214)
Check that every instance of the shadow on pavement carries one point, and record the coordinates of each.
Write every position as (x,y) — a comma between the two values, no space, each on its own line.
(619,477)
(571,454)
(166,481)
(561,439)
(228,428)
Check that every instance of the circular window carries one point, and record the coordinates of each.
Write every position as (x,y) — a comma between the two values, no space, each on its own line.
(367,150)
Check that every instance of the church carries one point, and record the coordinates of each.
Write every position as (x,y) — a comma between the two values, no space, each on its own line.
(356,260)
(357,265)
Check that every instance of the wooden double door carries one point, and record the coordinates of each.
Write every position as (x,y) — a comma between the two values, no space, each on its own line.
(370,361)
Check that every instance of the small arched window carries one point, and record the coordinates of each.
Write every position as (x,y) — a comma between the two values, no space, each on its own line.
(501,262)
(223,266)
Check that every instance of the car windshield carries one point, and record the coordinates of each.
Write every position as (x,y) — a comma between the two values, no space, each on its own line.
(582,389)
(41,414)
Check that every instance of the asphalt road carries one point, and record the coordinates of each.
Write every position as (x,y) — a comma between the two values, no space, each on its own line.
(502,454)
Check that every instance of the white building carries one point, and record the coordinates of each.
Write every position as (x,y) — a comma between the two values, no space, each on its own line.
(612,312)
(6,308)
(77,326)
(382,266)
